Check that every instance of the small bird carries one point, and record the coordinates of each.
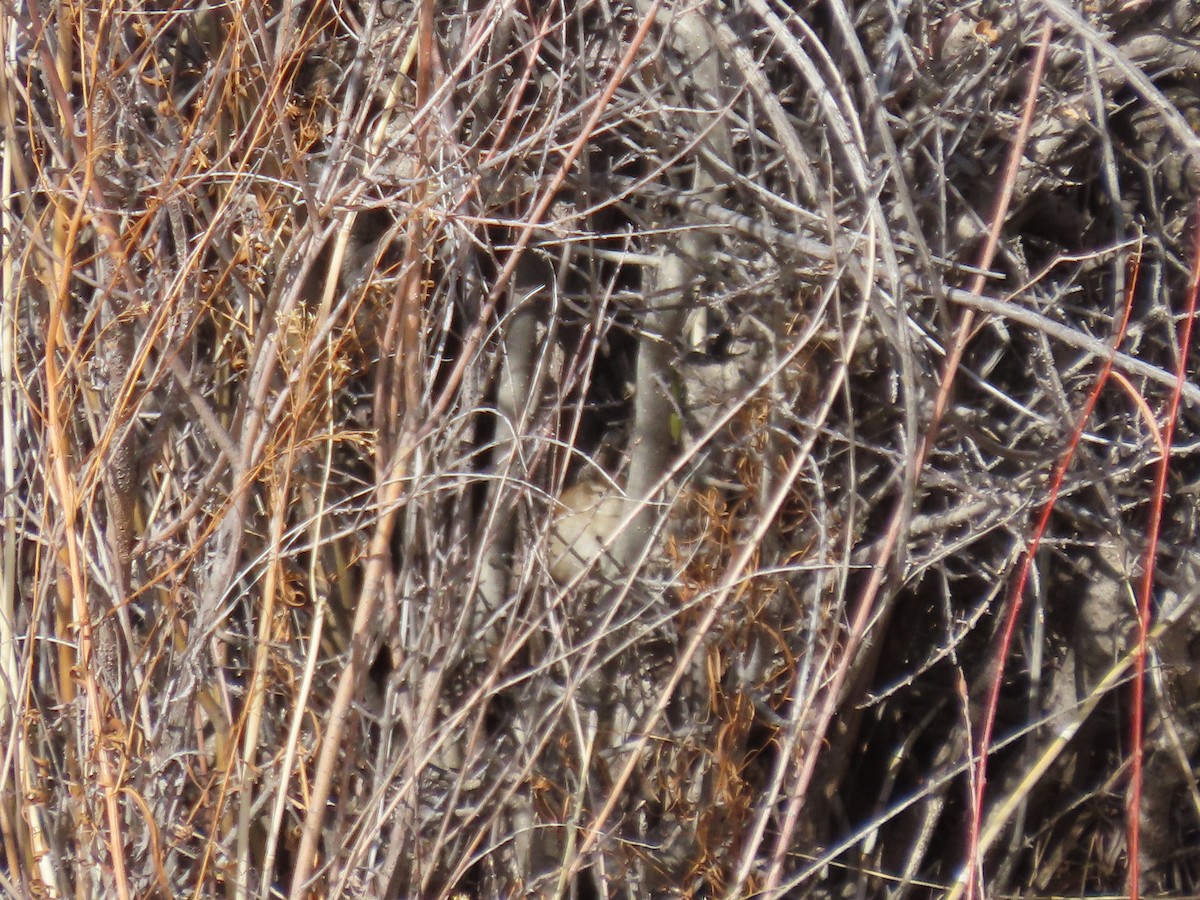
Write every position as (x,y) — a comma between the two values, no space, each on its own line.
(587,516)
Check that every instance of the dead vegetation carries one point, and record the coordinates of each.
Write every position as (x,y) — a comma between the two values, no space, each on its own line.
(327,326)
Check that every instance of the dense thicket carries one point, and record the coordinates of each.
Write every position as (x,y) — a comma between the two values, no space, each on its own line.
(503,448)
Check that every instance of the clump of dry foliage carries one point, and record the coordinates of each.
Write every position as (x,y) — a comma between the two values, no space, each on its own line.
(312,312)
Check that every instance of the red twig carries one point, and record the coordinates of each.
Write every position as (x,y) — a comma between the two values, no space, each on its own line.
(1147,585)
(1016,596)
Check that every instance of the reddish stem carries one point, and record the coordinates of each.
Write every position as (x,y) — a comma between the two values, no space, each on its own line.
(1147,585)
